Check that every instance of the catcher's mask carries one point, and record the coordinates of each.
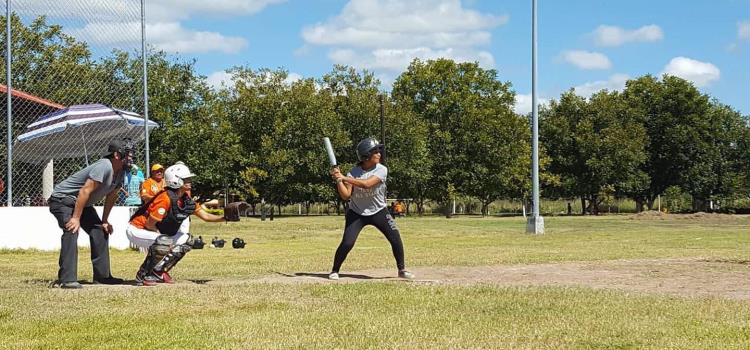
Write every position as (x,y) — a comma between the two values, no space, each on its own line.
(126,149)
(218,242)
(198,243)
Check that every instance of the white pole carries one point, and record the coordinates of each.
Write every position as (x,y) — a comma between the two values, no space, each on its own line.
(535,223)
(48,179)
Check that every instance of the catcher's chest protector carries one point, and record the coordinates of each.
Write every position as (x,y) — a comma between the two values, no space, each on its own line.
(176,214)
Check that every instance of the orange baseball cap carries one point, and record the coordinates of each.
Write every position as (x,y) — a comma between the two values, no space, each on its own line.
(157,167)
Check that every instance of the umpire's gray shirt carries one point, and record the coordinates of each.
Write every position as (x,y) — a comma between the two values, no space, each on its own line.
(101,171)
(368,201)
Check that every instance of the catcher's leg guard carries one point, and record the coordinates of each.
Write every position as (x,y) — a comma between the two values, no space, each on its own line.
(172,258)
(156,253)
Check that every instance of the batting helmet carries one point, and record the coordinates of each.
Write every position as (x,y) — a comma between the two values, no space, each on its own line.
(367,147)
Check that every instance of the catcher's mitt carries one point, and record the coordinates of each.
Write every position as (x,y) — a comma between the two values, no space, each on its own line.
(232,210)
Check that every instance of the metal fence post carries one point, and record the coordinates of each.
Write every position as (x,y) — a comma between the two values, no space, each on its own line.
(9,108)
(145,86)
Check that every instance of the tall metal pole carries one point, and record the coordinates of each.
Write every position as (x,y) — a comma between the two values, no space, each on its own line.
(145,86)
(382,128)
(535,223)
(9,111)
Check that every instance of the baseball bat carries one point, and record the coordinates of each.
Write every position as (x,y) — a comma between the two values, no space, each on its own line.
(329,150)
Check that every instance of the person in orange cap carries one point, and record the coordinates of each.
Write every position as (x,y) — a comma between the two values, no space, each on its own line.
(154,184)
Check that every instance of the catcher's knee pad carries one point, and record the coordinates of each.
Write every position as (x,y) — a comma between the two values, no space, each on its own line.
(170,260)
(157,251)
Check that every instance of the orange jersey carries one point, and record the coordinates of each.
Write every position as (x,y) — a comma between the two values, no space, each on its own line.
(151,187)
(157,210)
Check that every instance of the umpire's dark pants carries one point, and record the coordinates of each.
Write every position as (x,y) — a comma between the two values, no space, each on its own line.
(62,209)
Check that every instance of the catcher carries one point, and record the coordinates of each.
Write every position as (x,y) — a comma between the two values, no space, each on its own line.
(156,225)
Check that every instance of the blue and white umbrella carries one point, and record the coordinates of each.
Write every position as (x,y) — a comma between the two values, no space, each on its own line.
(77,131)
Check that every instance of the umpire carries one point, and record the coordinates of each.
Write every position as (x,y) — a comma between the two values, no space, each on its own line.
(72,204)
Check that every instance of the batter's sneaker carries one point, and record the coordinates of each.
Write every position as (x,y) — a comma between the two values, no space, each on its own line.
(405,274)
(333,276)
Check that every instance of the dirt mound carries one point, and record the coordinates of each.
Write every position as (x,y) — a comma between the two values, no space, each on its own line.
(699,216)
(649,215)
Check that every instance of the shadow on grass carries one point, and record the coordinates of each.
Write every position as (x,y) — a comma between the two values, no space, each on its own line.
(200,281)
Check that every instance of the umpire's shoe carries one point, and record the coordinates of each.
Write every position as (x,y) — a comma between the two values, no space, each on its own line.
(67,285)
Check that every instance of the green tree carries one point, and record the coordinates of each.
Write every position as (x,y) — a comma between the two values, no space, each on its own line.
(675,116)
(468,114)
(409,159)
(596,146)
(283,125)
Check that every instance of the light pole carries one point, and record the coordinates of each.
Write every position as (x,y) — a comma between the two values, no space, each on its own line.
(535,223)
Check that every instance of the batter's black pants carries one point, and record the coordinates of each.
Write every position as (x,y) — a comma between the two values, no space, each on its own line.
(62,209)
(383,221)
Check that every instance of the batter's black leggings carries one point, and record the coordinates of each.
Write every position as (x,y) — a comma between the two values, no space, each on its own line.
(383,221)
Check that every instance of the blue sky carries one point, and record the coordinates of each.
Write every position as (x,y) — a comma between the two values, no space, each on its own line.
(587,44)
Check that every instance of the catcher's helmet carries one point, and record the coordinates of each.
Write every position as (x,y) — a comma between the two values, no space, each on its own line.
(238,243)
(218,242)
(175,174)
(367,147)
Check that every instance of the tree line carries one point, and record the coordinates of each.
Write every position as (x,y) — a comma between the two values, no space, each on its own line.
(450,128)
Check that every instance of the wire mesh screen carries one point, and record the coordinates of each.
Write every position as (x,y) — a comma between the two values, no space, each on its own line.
(77,83)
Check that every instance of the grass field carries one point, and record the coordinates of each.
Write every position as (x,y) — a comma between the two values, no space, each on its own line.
(223,301)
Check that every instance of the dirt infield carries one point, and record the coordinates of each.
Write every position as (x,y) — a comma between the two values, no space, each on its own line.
(697,278)
(679,277)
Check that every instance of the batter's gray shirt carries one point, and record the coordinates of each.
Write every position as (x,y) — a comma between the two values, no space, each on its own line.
(368,201)
(101,171)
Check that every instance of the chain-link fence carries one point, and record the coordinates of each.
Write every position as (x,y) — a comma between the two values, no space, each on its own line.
(76,68)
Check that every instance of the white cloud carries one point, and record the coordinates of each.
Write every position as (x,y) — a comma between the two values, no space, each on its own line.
(219,79)
(399,59)
(743,30)
(164,10)
(606,35)
(97,11)
(615,82)
(116,23)
(523,103)
(175,38)
(156,10)
(700,73)
(167,36)
(292,78)
(389,34)
(587,60)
